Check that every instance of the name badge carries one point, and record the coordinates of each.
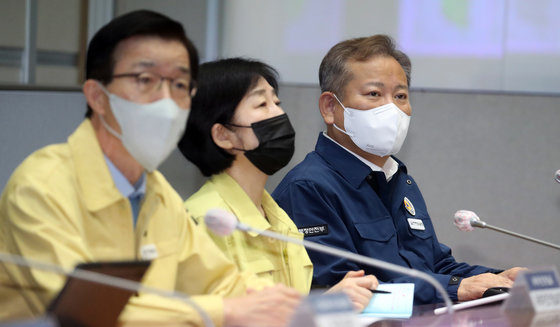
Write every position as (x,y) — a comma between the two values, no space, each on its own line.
(416,224)
(314,230)
(148,252)
(544,290)
(537,290)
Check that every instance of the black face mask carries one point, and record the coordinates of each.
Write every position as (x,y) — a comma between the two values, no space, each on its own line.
(276,144)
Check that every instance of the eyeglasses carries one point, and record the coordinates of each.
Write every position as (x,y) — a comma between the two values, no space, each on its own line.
(182,88)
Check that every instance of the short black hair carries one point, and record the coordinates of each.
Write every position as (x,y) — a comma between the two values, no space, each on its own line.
(100,61)
(221,87)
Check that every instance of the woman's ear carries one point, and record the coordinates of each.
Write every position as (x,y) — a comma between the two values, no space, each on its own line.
(221,136)
(95,97)
(327,104)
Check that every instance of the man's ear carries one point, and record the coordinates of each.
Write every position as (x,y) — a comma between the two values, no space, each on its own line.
(95,97)
(327,104)
(221,136)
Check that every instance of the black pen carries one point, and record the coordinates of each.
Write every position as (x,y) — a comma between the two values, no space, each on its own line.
(380,292)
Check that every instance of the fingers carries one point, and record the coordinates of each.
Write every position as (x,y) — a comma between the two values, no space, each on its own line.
(351,274)
(366,283)
(273,306)
(358,289)
(281,302)
(512,272)
(373,282)
(251,290)
(359,277)
(278,291)
(359,296)
(360,301)
(363,284)
(369,282)
(473,287)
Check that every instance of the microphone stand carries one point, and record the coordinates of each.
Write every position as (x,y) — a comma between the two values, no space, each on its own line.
(357,258)
(98,278)
(482,224)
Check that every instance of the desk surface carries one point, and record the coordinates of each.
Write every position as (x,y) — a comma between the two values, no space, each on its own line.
(488,315)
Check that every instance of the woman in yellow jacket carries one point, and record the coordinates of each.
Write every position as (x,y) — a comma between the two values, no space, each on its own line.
(237,135)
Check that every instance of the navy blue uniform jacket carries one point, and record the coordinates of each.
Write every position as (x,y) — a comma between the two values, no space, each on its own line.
(333,198)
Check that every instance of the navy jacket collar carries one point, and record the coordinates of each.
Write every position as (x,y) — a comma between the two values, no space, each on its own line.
(345,163)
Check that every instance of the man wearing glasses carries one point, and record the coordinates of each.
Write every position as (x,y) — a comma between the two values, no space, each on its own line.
(99,197)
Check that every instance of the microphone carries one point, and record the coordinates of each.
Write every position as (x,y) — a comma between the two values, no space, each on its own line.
(103,279)
(557,176)
(223,223)
(465,221)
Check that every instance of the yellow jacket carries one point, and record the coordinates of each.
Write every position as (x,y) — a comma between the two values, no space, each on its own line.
(61,206)
(278,261)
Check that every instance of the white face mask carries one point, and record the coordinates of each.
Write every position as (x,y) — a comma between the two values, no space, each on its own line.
(380,131)
(150,131)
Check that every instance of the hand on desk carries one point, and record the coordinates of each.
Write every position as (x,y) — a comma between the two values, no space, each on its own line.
(472,288)
(273,306)
(511,273)
(358,288)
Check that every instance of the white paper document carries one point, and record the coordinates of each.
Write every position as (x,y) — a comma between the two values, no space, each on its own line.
(473,303)
(397,304)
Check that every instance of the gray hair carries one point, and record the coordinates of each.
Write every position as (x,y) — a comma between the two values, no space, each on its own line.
(333,72)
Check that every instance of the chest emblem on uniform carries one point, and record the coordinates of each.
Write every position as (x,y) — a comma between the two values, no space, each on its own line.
(409,207)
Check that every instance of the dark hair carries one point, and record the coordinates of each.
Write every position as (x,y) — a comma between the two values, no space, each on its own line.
(221,87)
(334,73)
(100,61)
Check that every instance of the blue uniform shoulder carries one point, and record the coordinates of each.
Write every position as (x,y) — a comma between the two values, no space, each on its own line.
(312,169)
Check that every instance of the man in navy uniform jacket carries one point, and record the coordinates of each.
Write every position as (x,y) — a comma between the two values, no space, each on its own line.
(351,193)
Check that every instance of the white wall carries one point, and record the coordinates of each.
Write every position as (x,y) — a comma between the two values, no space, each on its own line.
(510,45)
(191,13)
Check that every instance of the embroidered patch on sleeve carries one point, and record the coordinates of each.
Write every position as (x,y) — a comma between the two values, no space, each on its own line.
(455,280)
(314,230)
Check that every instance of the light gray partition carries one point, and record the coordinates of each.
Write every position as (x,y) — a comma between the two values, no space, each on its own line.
(30,120)
(495,154)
